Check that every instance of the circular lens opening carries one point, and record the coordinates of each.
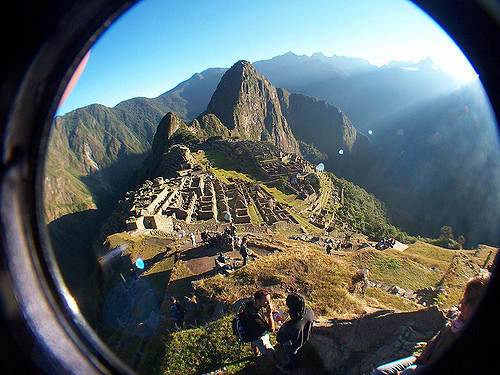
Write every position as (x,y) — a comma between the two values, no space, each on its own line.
(340,172)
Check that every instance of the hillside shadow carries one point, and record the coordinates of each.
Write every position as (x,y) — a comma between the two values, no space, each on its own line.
(200,252)
(182,287)
(158,281)
(109,184)
(72,237)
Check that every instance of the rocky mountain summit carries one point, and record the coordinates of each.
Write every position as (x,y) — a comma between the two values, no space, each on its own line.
(248,104)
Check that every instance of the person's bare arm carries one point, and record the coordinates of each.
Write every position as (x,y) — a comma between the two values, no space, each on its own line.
(269,315)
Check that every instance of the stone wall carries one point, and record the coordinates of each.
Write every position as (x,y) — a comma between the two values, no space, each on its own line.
(357,346)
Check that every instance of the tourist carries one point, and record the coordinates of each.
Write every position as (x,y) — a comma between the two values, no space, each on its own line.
(339,245)
(222,264)
(178,311)
(439,343)
(296,332)
(204,237)
(328,248)
(244,250)
(222,258)
(232,229)
(193,239)
(258,322)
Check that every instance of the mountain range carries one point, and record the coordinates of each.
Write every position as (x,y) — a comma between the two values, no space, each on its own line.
(326,103)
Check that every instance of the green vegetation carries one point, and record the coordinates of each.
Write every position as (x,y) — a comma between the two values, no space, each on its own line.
(392,267)
(203,349)
(183,136)
(447,240)
(255,217)
(379,299)
(363,212)
(311,153)
(222,167)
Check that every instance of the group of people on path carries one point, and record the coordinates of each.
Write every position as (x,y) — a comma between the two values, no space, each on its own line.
(330,245)
(257,321)
(385,243)
(227,239)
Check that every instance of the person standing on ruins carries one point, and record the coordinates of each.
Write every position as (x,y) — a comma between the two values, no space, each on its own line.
(193,239)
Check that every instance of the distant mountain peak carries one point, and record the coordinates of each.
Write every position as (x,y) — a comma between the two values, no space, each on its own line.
(318,54)
(242,64)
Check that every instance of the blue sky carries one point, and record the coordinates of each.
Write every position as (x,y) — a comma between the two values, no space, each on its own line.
(160,43)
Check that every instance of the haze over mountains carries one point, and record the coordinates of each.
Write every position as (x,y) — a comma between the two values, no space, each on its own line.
(410,161)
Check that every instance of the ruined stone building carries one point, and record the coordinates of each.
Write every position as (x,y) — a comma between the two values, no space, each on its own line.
(189,198)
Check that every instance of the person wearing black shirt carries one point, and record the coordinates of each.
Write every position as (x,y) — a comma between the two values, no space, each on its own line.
(296,332)
(258,322)
(244,250)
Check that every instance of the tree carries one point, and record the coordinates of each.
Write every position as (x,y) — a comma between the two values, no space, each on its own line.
(461,241)
(446,233)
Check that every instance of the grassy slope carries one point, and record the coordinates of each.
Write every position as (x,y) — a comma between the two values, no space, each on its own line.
(146,247)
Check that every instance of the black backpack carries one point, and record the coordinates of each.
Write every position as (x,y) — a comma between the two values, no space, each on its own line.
(239,329)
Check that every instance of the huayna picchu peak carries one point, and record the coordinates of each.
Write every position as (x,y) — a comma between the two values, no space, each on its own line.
(247,104)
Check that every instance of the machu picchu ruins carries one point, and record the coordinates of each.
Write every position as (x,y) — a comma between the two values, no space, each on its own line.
(195,194)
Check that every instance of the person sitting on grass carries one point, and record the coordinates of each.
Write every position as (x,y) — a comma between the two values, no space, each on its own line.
(297,331)
(258,322)
(434,348)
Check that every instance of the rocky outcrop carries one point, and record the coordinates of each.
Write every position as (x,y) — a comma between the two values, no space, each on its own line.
(356,346)
(167,126)
(177,158)
(209,125)
(248,105)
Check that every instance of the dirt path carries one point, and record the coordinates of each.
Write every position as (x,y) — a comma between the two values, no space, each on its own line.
(201,259)
(400,246)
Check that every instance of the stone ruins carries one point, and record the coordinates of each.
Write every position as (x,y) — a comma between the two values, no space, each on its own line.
(196,195)
(200,197)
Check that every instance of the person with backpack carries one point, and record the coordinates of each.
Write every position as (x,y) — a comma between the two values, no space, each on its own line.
(178,311)
(297,331)
(256,322)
